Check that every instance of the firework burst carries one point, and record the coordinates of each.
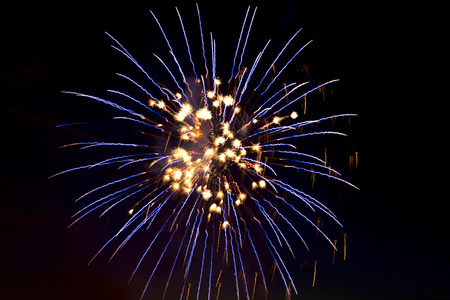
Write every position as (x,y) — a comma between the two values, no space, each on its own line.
(214,150)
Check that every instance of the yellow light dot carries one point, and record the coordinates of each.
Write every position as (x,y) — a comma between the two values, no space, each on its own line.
(276,120)
(176,175)
(225,224)
(178,95)
(213,207)
(262,184)
(203,114)
(206,194)
(219,141)
(236,143)
(254,185)
(256,147)
(294,115)
(160,104)
(230,153)
(228,100)
(210,94)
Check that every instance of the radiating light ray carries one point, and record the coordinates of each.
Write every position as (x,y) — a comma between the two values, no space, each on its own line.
(157,264)
(275,60)
(171,74)
(128,55)
(203,262)
(187,45)
(239,42)
(201,36)
(256,254)
(246,39)
(281,71)
(153,241)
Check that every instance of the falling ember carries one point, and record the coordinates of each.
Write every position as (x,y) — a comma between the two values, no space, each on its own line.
(218,290)
(218,278)
(254,285)
(189,289)
(210,169)
(334,251)
(314,274)
(345,246)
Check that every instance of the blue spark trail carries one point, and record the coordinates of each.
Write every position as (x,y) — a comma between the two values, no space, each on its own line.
(275,258)
(174,262)
(154,239)
(279,73)
(157,264)
(242,265)
(171,74)
(201,36)
(234,263)
(187,44)
(256,254)
(203,262)
(239,42)
(106,102)
(130,57)
(246,38)
(275,60)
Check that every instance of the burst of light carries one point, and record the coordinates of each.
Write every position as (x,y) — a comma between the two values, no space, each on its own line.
(211,158)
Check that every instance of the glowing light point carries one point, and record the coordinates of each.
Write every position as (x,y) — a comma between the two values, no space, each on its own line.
(219,141)
(203,114)
(206,194)
(228,100)
(236,143)
(225,224)
(161,104)
(294,115)
(242,197)
(276,120)
(262,184)
(213,207)
(256,147)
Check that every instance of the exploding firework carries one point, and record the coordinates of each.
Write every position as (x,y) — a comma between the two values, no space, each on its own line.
(210,185)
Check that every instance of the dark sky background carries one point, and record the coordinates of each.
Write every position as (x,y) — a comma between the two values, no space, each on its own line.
(396,225)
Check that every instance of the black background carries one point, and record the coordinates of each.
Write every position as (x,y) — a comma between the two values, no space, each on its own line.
(396,225)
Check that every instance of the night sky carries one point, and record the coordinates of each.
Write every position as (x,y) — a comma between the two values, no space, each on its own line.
(397,237)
